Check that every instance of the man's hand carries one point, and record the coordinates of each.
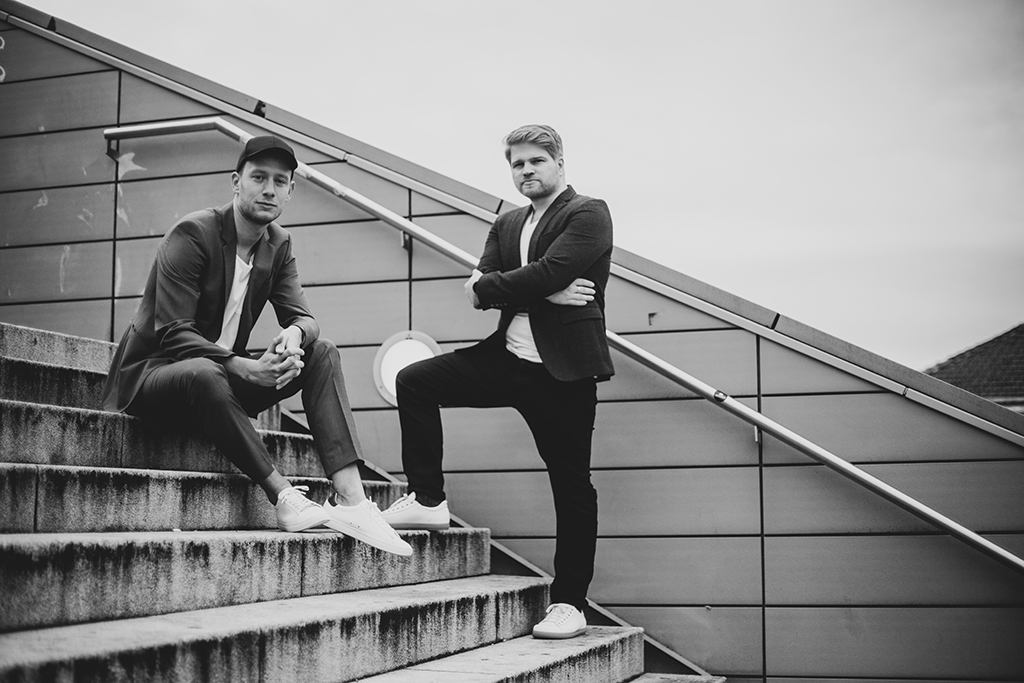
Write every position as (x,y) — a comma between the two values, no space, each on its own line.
(470,294)
(279,364)
(579,293)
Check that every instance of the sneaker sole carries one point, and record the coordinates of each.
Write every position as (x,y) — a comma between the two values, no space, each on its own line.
(412,526)
(559,636)
(302,526)
(404,551)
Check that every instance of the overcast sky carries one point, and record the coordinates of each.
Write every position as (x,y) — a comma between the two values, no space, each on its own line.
(857,165)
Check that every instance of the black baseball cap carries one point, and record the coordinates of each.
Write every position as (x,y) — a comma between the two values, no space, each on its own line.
(267,143)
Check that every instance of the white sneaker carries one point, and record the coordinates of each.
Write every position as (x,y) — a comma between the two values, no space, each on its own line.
(364,523)
(295,512)
(562,621)
(406,513)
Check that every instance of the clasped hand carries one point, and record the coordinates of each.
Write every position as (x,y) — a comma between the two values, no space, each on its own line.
(281,362)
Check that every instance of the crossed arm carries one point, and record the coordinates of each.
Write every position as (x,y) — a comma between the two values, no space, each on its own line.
(556,276)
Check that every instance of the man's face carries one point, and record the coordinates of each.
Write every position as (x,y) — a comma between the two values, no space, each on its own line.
(261,189)
(534,173)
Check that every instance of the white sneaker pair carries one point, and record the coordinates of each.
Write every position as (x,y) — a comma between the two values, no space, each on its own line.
(362,522)
(562,621)
(406,513)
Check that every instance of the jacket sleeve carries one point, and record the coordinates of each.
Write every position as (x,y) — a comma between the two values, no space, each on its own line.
(586,237)
(181,262)
(288,300)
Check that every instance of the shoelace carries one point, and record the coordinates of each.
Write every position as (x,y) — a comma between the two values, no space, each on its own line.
(295,499)
(403,502)
(559,614)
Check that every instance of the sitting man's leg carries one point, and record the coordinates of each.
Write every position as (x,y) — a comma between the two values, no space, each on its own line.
(198,394)
(325,400)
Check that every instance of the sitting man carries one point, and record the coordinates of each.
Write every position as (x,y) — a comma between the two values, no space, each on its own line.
(184,359)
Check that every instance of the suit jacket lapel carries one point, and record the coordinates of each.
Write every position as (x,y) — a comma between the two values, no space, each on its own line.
(229,242)
(545,220)
(262,264)
(510,249)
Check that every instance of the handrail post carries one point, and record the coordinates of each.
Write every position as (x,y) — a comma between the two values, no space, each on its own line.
(631,350)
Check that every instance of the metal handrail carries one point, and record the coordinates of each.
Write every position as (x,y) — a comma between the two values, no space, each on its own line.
(631,350)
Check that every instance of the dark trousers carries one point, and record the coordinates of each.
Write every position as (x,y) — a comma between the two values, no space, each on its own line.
(200,394)
(560,416)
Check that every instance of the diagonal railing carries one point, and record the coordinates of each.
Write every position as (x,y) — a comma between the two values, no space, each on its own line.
(715,396)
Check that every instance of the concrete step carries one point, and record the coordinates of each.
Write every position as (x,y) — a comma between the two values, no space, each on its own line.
(604,654)
(35,382)
(51,435)
(94,577)
(58,499)
(339,637)
(54,348)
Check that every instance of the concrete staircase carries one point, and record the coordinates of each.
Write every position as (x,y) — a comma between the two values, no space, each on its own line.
(129,553)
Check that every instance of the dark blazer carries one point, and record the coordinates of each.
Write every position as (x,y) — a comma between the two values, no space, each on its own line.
(572,240)
(182,307)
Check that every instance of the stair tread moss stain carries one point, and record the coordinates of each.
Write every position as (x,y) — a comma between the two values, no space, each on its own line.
(355,634)
(94,576)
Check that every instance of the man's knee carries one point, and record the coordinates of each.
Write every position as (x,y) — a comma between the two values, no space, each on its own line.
(206,378)
(319,350)
(412,376)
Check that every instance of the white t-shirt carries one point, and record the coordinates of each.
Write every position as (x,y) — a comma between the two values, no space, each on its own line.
(519,335)
(233,312)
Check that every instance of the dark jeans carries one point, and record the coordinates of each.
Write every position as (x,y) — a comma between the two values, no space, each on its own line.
(560,416)
(200,394)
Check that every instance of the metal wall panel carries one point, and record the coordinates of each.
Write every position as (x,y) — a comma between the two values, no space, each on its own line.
(670,434)
(982,496)
(425,206)
(631,308)
(349,252)
(27,56)
(726,359)
(60,215)
(893,570)
(348,315)
(466,232)
(722,640)
(379,436)
(915,642)
(673,502)
(784,371)
(55,104)
(440,309)
(54,159)
(54,272)
(134,262)
(673,571)
(152,207)
(384,192)
(144,101)
(864,428)
(180,154)
(82,318)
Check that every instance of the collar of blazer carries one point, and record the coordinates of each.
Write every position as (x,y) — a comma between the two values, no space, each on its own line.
(262,259)
(560,202)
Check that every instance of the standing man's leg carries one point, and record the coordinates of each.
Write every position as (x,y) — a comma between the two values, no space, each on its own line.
(561,417)
(479,378)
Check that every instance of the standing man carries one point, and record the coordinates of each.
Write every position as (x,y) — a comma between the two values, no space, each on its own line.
(184,359)
(545,266)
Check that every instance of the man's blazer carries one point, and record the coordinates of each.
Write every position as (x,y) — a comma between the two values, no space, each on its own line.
(182,309)
(572,240)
